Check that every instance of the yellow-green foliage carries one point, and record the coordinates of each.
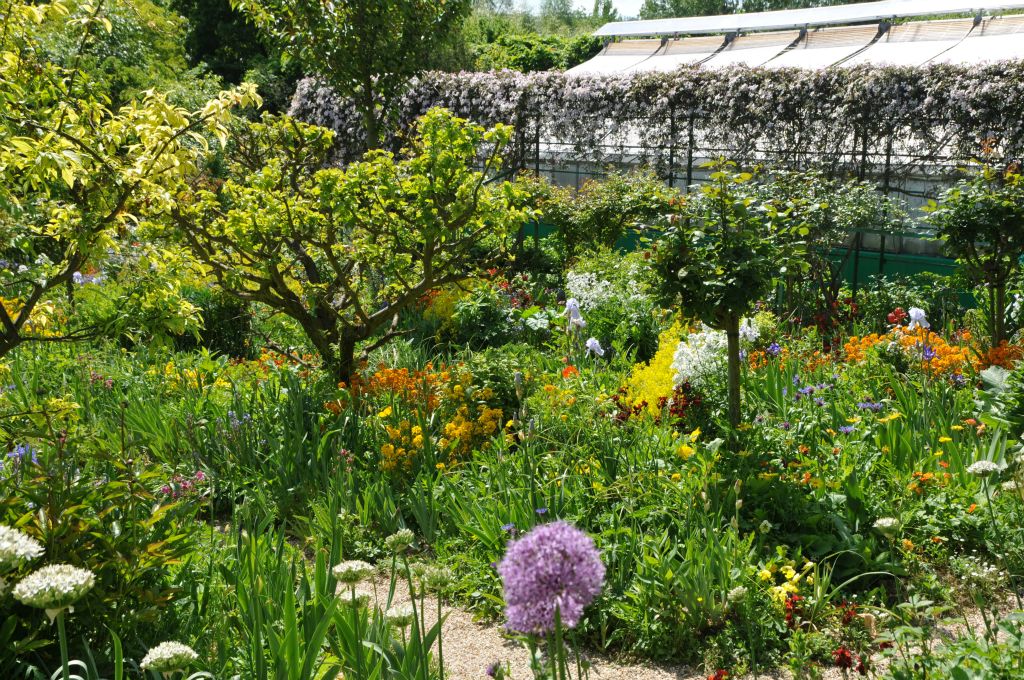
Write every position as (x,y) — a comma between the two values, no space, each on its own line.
(651,381)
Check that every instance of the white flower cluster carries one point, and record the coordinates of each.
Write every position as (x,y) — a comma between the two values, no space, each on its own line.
(54,587)
(352,571)
(400,615)
(590,291)
(700,358)
(982,468)
(167,657)
(16,548)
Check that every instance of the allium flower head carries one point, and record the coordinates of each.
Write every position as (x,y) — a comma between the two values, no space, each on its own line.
(352,571)
(400,615)
(16,548)
(54,587)
(167,657)
(554,566)
(399,541)
(983,468)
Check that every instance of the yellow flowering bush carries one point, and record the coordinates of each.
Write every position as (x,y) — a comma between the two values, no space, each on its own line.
(654,381)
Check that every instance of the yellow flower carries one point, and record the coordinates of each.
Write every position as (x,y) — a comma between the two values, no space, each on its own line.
(676,477)
(943,440)
(385,413)
(417,441)
(764,575)
(957,428)
(684,451)
(908,544)
(695,435)
(440,466)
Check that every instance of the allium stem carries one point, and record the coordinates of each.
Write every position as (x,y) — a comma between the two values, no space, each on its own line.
(440,636)
(62,635)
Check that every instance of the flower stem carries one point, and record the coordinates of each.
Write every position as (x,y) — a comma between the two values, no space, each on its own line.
(65,668)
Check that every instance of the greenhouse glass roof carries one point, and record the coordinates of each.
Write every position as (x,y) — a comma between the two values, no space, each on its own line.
(814,38)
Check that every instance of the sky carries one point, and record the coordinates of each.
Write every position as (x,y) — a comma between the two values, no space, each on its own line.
(627,8)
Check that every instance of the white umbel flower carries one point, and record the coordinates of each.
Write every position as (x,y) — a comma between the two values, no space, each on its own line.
(400,615)
(982,468)
(54,588)
(352,571)
(400,541)
(887,525)
(16,549)
(167,657)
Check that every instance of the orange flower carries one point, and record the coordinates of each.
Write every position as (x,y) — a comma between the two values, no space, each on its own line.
(569,371)
(973,507)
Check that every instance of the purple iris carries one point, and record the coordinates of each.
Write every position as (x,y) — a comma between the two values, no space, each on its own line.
(929,353)
(774,349)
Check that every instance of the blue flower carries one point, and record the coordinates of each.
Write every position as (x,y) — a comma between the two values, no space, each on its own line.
(846,429)
(541,511)
(774,349)
(870,406)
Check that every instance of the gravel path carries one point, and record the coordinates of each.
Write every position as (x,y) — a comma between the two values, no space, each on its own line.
(470,647)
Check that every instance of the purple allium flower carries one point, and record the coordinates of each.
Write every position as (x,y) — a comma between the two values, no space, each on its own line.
(774,349)
(553,566)
(493,669)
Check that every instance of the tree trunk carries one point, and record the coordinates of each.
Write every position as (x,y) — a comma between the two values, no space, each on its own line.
(999,315)
(732,334)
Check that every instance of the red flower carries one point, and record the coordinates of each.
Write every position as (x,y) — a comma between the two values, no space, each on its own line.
(896,316)
(569,371)
(720,674)
(842,657)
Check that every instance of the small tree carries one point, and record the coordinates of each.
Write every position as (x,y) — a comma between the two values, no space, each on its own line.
(981,220)
(343,252)
(368,50)
(722,252)
(75,176)
(832,211)
(602,211)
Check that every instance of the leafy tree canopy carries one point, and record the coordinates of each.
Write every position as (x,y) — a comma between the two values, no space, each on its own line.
(343,252)
(77,177)
(365,49)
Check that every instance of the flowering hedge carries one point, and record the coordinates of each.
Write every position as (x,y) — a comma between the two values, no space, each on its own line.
(847,116)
